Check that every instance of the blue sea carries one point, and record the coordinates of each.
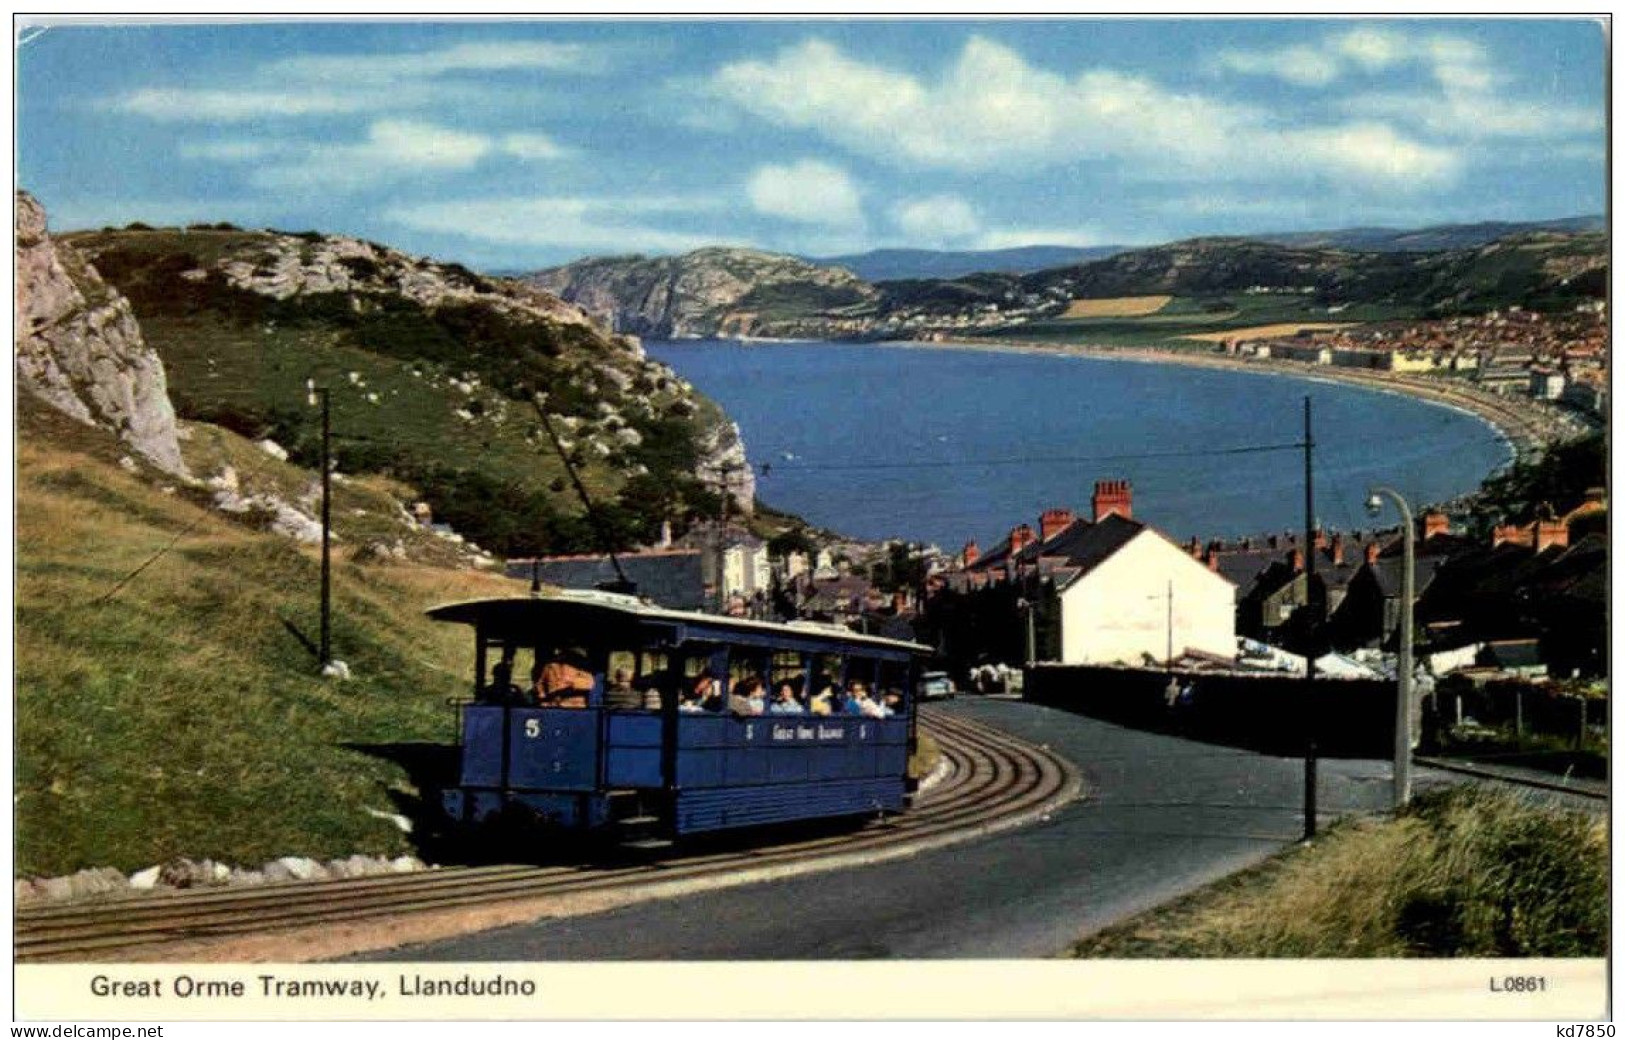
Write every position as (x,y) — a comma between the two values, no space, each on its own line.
(941,445)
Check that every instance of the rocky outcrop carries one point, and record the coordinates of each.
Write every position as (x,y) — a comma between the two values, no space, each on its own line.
(709,292)
(282,266)
(79,347)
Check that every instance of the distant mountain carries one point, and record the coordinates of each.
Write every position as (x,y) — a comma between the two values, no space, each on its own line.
(883,265)
(1429,239)
(1527,269)
(708,292)
(738,292)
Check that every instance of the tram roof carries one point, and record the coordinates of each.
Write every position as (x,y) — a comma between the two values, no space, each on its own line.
(589,606)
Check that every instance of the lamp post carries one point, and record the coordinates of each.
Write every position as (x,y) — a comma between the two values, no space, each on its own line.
(1402,708)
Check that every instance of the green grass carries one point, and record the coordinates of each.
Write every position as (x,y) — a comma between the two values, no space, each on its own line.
(1469,872)
(241,360)
(180,717)
(1189,316)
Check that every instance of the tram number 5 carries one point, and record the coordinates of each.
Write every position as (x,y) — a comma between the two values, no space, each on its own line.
(533,728)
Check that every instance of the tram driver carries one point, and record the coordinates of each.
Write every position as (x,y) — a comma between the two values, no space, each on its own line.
(563,682)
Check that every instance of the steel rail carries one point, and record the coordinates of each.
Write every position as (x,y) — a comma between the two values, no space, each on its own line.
(991,777)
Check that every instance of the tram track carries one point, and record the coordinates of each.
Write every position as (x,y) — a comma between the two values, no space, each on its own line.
(993,781)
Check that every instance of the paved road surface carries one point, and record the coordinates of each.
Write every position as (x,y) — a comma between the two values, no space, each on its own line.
(1161,816)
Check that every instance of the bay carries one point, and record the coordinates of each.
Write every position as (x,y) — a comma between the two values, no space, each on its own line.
(944,445)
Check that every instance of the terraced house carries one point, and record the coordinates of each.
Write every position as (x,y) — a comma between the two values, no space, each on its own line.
(1098,589)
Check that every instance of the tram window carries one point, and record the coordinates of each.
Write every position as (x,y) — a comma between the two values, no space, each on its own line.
(828,684)
(789,669)
(620,694)
(501,689)
(860,687)
(654,679)
(893,685)
(747,683)
(700,691)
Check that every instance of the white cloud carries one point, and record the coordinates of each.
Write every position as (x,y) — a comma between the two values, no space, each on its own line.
(991,109)
(807,192)
(1376,152)
(534,147)
(235,106)
(1014,237)
(1300,66)
(494,56)
(1478,116)
(313,85)
(392,150)
(1453,62)
(940,220)
(614,225)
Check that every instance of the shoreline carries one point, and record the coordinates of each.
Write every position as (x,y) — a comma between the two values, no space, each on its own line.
(1524,425)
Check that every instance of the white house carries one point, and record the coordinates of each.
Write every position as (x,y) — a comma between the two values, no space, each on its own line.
(1134,594)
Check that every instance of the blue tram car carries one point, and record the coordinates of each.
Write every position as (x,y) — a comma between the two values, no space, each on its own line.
(598,712)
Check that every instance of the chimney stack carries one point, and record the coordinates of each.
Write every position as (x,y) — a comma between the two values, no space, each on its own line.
(1053,522)
(1020,538)
(1112,496)
(1297,561)
(1509,533)
(1371,551)
(1320,538)
(1337,550)
(971,553)
(1549,533)
(1434,522)
(1195,547)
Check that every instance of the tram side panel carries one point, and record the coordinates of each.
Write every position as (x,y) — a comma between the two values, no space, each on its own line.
(741,772)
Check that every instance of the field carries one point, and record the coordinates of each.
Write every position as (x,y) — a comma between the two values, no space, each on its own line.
(179,714)
(1184,322)
(1469,872)
(1120,307)
(1271,331)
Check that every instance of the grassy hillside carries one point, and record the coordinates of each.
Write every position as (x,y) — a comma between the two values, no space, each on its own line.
(431,370)
(1471,872)
(179,715)
(1187,316)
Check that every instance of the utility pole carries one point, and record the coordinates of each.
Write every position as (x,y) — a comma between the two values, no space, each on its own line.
(1312,628)
(1170,657)
(320,394)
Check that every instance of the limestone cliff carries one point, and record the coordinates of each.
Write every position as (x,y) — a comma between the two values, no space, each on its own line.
(79,347)
(710,292)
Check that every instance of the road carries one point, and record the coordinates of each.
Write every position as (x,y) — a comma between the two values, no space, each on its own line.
(1161,816)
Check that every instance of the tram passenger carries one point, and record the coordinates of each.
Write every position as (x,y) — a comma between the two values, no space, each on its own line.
(891,703)
(785,701)
(620,696)
(748,697)
(828,698)
(563,682)
(501,689)
(689,703)
(707,693)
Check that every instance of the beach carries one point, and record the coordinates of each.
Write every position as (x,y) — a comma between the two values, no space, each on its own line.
(1528,426)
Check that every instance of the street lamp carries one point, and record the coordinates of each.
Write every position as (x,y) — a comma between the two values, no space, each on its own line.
(1402,708)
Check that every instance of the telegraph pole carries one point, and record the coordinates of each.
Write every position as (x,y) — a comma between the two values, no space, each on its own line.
(319,394)
(1170,657)
(1312,630)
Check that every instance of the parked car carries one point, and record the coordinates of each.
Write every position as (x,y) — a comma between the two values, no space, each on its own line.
(936,686)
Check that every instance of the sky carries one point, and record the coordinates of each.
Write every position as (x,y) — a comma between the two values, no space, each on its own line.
(511,145)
